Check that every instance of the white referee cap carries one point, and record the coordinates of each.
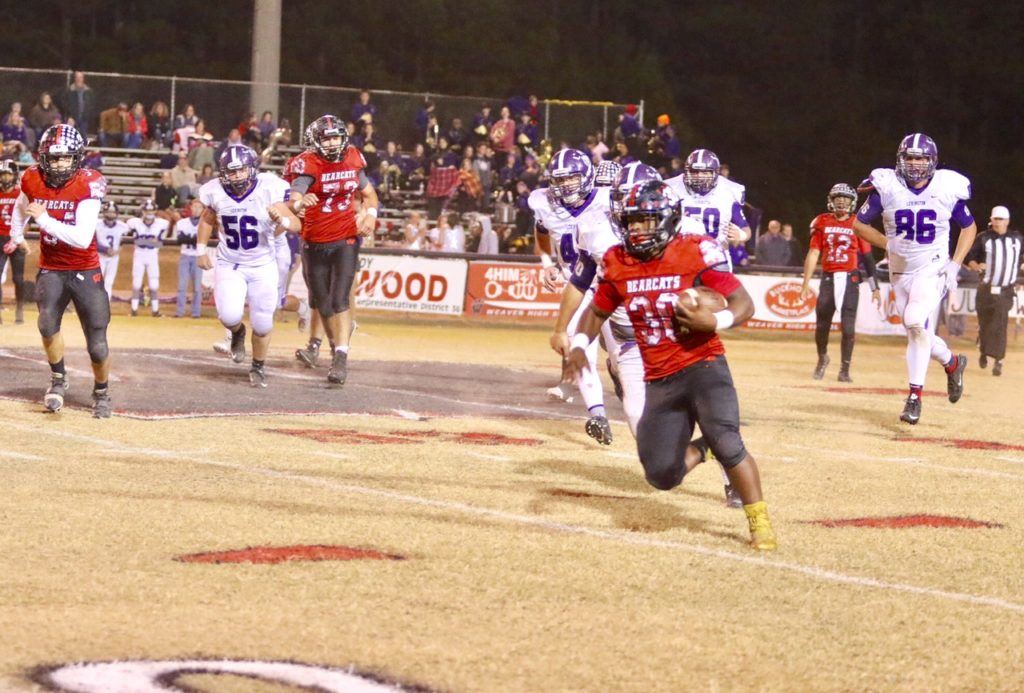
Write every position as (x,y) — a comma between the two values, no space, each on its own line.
(1000,212)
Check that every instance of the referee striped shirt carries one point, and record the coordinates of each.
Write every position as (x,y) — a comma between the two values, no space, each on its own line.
(1001,255)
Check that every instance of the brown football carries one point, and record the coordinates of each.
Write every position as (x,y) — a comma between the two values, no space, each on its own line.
(709,298)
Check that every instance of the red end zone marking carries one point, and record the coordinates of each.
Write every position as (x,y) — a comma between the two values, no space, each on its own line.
(353,437)
(868,390)
(963,443)
(282,554)
(905,522)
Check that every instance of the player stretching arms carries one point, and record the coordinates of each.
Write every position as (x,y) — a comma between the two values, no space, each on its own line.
(840,275)
(325,179)
(149,230)
(715,201)
(109,233)
(252,209)
(688,379)
(64,199)
(16,252)
(916,203)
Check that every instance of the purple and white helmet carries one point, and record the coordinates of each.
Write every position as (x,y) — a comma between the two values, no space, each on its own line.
(571,177)
(700,172)
(630,176)
(917,145)
(607,172)
(237,169)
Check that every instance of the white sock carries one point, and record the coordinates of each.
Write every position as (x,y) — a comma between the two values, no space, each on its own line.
(589,381)
(918,354)
(135,303)
(155,304)
(940,350)
(342,349)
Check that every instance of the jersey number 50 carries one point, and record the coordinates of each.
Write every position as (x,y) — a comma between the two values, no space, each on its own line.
(918,227)
(240,232)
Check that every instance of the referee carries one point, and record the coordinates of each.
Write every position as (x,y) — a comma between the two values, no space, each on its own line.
(996,256)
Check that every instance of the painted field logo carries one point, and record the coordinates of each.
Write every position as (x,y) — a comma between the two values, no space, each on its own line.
(272,555)
(784,300)
(907,522)
(350,436)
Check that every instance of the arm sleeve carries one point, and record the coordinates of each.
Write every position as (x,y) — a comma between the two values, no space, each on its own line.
(871,209)
(19,217)
(606,298)
(718,278)
(738,217)
(867,260)
(539,227)
(302,184)
(583,272)
(363,179)
(79,234)
(961,214)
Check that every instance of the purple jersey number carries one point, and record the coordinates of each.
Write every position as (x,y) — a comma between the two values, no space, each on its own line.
(916,227)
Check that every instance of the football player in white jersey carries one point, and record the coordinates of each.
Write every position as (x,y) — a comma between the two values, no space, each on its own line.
(916,203)
(715,201)
(251,210)
(149,230)
(109,233)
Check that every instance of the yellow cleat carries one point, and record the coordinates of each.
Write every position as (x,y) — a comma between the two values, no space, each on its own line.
(762,536)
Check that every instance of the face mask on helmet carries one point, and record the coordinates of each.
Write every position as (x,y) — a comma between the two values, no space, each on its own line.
(648,220)
(915,169)
(60,154)
(840,204)
(7,179)
(237,170)
(568,189)
(329,137)
(109,213)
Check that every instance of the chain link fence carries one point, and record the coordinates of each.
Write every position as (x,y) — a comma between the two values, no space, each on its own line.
(223,104)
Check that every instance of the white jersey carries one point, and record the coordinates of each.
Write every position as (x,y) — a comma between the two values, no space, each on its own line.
(723,204)
(186,232)
(561,223)
(917,221)
(246,230)
(108,236)
(148,236)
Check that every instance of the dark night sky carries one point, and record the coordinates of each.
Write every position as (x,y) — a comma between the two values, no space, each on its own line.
(794,95)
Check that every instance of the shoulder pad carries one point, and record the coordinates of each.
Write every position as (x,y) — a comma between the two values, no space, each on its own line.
(883,179)
(956,183)
(737,191)
(538,200)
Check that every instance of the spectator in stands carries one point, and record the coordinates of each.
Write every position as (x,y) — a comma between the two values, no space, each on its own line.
(416,232)
(503,136)
(114,126)
(666,143)
(363,110)
(13,127)
(93,159)
(482,123)
(267,126)
(160,130)
(206,175)
(533,108)
(629,125)
(138,127)
(432,134)
(795,252)
(451,234)
(527,135)
(469,192)
(280,137)
(184,179)
(623,155)
(457,136)
(234,137)
(250,130)
(600,150)
(43,114)
(186,118)
(508,174)
(738,254)
(484,169)
(524,215)
(166,199)
(78,102)
(423,115)
(772,249)
(441,184)
(486,240)
(531,172)
(414,168)
(200,146)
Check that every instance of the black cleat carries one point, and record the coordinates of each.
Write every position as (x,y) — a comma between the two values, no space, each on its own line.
(338,373)
(844,376)
(732,497)
(135,312)
(955,380)
(983,361)
(257,376)
(599,429)
(157,314)
(997,369)
(308,355)
(101,408)
(238,344)
(53,400)
(819,370)
(615,379)
(911,410)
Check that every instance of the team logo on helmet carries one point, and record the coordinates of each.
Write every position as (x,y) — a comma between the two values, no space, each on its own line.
(328,136)
(648,219)
(606,173)
(700,172)
(629,176)
(237,169)
(839,192)
(109,210)
(570,176)
(916,158)
(61,149)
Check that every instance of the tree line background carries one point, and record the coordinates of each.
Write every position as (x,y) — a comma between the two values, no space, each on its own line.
(793,95)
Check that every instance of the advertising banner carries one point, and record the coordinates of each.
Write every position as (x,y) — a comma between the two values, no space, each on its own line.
(509,290)
(411,284)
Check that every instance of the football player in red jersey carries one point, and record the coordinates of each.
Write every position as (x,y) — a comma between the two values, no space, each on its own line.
(9,193)
(64,199)
(325,181)
(844,253)
(688,379)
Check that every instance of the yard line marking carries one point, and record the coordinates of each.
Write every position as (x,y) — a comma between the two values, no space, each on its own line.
(20,455)
(42,361)
(621,455)
(918,462)
(332,455)
(814,572)
(1015,460)
(485,456)
(411,415)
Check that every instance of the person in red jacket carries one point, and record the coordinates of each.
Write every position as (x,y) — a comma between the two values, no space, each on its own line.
(325,180)
(842,256)
(15,252)
(64,199)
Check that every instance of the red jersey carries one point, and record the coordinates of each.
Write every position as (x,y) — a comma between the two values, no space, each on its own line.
(7,200)
(335,184)
(649,291)
(838,244)
(61,204)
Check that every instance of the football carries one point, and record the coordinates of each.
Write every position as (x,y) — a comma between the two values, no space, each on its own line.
(701,295)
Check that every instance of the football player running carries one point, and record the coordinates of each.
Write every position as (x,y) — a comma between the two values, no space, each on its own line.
(149,230)
(844,253)
(687,378)
(325,181)
(15,252)
(916,203)
(64,199)
(712,199)
(251,209)
(109,233)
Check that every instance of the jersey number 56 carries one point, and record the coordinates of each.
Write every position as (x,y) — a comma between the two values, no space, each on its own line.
(240,232)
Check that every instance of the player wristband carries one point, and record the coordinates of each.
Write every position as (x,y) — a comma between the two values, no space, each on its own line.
(546,261)
(200,249)
(372,211)
(724,319)
(580,341)
(285,223)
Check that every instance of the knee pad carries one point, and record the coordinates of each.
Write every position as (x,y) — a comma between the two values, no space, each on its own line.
(96,342)
(48,323)
(667,478)
(262,322)
(914,317)
(340,304)
(728,448)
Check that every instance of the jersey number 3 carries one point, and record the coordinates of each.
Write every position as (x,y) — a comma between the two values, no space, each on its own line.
(240,232)
(918,227)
